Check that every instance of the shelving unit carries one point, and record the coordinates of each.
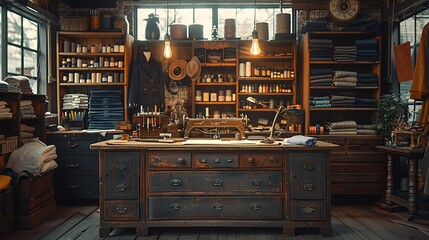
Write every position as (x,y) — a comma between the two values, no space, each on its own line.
(9,126)
(38,122)
(357,168)
(90,61)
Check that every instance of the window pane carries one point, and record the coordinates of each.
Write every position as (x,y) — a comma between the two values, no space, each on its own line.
(183,16)
(14,28)
(30,63)
(14,60)
(30,34)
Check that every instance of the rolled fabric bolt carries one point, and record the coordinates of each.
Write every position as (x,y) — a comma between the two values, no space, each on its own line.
(242,69)
(248,69)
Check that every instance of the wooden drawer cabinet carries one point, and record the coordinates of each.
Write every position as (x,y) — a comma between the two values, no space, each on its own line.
(357,167)
(225,208)
(215,181)
(77,174)
(175,185)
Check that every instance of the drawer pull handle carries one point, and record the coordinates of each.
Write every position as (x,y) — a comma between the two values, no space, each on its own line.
(72,165)
(251,160)
(181,160)
(203,160)
(72,186)
(122,187)
(72,145)
(176,182)
(229,160)
(121,167)
(175,207)
(256,182)
(255,206)
(308,210)
(121,210)
(217,206)
(273,159)
(309,167)
(217,182)
(157,159)
(217,160)
(308,187)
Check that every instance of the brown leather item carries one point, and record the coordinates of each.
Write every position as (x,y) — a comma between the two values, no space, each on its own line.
(403,62)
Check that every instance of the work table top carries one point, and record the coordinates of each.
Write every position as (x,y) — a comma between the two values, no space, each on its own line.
(204,144)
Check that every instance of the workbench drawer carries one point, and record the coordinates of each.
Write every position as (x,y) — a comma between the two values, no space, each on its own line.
(77,165)
(76,187)
(161,159)
(215,181)
(121,210)
(308,210)
(261,159)
(215,208)
(76,144)
(215,160)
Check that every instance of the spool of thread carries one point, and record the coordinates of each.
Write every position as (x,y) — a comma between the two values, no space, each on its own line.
(262,28)
(229,29)
(66,46)
(228,95)
(76,77)
(248,69)
(221,96)
(283,23)
(198,96)
(73,47)
(242,69)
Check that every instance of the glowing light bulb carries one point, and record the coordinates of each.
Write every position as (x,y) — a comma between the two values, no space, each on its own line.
(167,47)
(254,49)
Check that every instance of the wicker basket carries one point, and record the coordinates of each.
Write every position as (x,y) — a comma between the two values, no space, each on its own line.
(74,23)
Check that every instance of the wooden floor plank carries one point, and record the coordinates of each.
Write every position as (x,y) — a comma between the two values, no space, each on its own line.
(344,231)
(355,225)
(78,229)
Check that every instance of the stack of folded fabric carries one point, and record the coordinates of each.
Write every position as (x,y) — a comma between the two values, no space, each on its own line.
(342,127)
(369,26)
(105,109)
(75,101)
(366,102)
(4,86)
(27,132)
(200,54)
(214,57)
(321,49)
(34,156)
(314,26)
(345,78)
(343,100)
(229,54)
(321,77)
(367,49)
(367,79)
(366,129)
(4,110)
(27,110)
(345,53)
(320,102)
(19,84)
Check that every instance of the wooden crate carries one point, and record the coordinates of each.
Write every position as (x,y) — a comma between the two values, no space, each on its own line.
(6,211)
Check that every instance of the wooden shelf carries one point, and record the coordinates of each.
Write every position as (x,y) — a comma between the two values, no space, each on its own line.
(116,54)
(343,109)
(264,79)
(215,84)
(91,69)
(266,94)
(214,103)
(268,58)
(218,64)
(90,84)
(344,87)
(257,110)
(325,62)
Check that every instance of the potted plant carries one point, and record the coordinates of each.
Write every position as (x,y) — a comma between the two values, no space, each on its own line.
(389,114)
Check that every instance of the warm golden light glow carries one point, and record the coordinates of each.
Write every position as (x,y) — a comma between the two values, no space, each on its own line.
(167,47)
(254,49)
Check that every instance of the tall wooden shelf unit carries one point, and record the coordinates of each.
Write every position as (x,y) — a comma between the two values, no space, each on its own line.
(357,168)
(113,76)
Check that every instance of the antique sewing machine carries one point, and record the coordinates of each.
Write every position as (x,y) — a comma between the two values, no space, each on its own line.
(216,126)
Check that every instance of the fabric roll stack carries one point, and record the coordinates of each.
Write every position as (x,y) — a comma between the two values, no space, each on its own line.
(196,31)
(321,49)
(75,101)
(343,100)
(178,31)
(345,53)
(4,110)
(367,50)
(27,110)
(230,56)
(320,102)
(262,28)
(345,78)
(105,109)
(27,132)
(366,129)
(19,84)
(4,86)
(367,79)
(321,77)
(229,28)
(342,127)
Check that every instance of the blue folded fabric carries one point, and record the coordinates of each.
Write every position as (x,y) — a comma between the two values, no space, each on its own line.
(302,140)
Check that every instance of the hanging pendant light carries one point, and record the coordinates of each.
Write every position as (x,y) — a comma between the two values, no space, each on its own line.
(254,49)
(167,40)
